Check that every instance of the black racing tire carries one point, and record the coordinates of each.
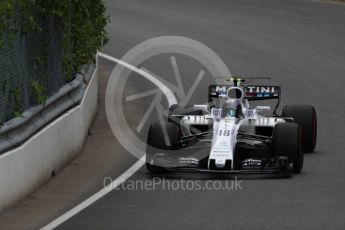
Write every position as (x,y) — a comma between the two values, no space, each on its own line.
(305,116)
(156,143)
(286,141)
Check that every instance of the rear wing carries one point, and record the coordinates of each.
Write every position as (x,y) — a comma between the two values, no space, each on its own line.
(261,92)
(251,92)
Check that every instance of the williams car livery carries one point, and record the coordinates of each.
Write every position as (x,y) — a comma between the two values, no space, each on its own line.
(229,135)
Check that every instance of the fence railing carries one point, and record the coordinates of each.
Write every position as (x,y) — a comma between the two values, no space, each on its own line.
(18,130)
(30,68)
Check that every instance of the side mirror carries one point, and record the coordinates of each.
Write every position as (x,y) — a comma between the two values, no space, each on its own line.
(202,107)
(263,108)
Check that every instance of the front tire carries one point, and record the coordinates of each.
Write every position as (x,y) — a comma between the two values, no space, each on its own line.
(286,141)
(305,116)
(158,142)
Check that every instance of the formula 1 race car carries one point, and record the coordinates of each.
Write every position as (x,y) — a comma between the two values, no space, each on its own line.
(229,135)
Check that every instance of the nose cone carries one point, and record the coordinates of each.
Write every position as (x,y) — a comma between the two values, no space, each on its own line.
(220,163)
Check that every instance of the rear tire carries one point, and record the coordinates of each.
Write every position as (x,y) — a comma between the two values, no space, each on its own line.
(286,141)
(305,116)
(156,142)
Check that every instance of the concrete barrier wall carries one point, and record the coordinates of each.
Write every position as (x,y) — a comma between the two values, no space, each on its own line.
(24,169)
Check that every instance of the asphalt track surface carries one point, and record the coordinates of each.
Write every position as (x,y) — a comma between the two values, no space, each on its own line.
(301,45)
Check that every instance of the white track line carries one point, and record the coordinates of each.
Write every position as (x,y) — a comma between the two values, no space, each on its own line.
(168,93)
(129,172)
(101,193)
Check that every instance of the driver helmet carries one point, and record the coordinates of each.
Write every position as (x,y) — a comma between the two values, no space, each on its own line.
(233,108)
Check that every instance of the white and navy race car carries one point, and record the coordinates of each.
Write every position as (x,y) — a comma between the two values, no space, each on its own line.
(229,135)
